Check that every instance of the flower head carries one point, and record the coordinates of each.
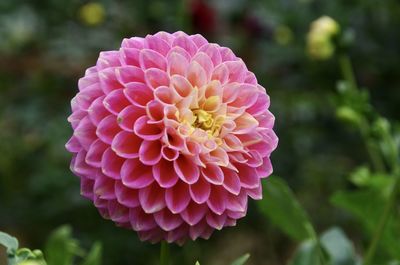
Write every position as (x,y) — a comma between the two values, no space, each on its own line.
(172,134)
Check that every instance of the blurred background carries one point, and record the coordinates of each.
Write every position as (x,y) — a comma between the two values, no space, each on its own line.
(45,46)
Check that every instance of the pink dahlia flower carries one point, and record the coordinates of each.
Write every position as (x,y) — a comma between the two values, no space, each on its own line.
(172,134)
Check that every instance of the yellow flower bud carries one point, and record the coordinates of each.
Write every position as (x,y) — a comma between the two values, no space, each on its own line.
(92,14)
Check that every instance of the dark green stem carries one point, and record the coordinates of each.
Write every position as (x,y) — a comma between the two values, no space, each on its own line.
(384,219)
(164,253)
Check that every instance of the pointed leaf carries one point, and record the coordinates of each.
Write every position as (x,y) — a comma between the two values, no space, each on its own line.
(94,256)
(242,260)
(338,246)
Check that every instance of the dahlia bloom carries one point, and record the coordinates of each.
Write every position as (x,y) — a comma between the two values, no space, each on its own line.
(172,134)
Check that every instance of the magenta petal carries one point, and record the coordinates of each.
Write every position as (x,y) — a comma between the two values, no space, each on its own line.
(213,174)
(128,74)
(126,196)
(130,56)
(95,153)
(165,174)
(216,221)
(147,131)
(150,152)
(87,188)
(136,175)
(237,203)
(80,166)
(152,59)
(138,94)
(265,169)
(115,101)
(217,199)
(107,129)
(187,170)
(200,191)
(185,43)
(111,164)
(167,220)
(169,153)
(118,212)
(126,144)
(177,197)
(231,181)
(108,80)
(85,97)
(97,111)
(152,198)
(107,59)
(202,229)
(104,187)
(156,77)
(157,44)
(194,213)
(128,116)
(73,145)
(155,110)
(248,176)
(85,133)
(140,220)
(256,193)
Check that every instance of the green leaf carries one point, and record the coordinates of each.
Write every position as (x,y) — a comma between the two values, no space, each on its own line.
(338,246)
(197,263)
(366,206)
(306,254)
(10,242)
(61,247)
(282,208)
(242,260)
(94,256)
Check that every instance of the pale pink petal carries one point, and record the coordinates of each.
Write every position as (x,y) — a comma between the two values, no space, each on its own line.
(156,77)
(128,74)
(157,44)
(134,42)
(212,50)
(108,59)
(181,85)
(196,74)
(138,94)
(177,63)
(198,40)
(166,95)
(130,56)
(205,62)
(152,59)
(186,43)
(108,80)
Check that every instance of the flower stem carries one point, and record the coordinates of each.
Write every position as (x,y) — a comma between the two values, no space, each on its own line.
(348,74)
(164,253)
(384,219)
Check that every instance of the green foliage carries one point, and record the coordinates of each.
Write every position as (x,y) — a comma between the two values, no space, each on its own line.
(306,254)
(61,249)
(11,243)
(282,209)
(242,260)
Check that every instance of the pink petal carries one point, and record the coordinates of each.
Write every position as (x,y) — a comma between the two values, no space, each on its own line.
(126,196)
(248,176)
(85,97)
(231,181)
(150,152)
(177,197)
(157,44)
(166,95)
(80,167)
(256,193)
(118,213)
(128,116)
(186,169)
(213,174)
(196,74)
(155,110)
(237,71)
(141,221)
(115,101)
(111,164)
(85,133)
(95,153)
(135,175)
(156,77)
(138,94)
(169,153)
(134,42)
(130,56)
(181,85)
(165,174)
(212,50)
(88,80)
(104,187)
(128,74)
(86,188)
(198,40)
(147,131)
(167,220)
(265,169)
(245,124)
(202,229)
(126,144)
(177,63)
(152,59)
(97,111)
(246,97)
(194,213)
(227,54)
(200,191)
(216,221)
(260,105)
(217,199)
(185,43)
(108,59)
(73,145)
(237,203)
(172,139)
(205,62)
(107,129)
(108,80)
(152,198)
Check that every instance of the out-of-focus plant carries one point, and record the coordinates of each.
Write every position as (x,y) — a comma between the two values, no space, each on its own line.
(61,249)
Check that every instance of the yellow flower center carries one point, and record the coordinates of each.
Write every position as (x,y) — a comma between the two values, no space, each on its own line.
(206,121)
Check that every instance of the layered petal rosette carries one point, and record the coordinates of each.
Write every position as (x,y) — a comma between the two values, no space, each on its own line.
(172,135)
